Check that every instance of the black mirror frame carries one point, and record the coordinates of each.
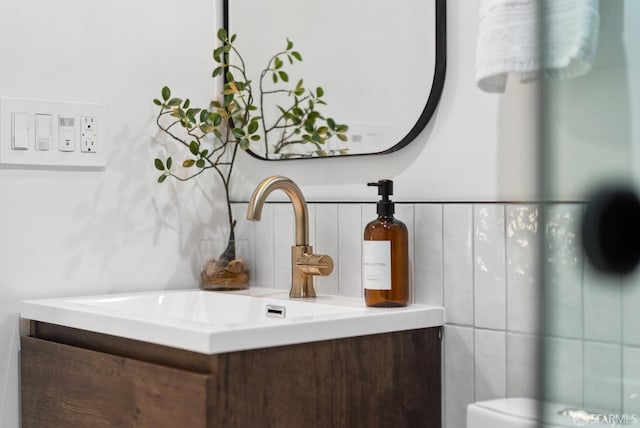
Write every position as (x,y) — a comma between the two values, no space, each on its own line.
(432,100)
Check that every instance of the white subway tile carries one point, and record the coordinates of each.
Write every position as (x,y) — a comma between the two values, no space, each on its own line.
(284,239)
(631,381)
(489,266)
(428,260)
(458,374)
(350,235)
(603,306)
(563,364)
(404,213)
(326,242)
(602,377)
(263,248)
(631,311)
(524,288)
(563,270)
(522,365)
(490,364)
(458,263)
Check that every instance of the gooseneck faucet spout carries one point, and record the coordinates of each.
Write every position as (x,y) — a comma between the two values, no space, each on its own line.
(304,264)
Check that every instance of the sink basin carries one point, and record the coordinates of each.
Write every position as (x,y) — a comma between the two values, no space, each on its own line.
(216,322)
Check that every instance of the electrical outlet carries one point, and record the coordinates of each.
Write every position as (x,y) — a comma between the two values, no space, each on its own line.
(88,145)
(88,123)
(52,133)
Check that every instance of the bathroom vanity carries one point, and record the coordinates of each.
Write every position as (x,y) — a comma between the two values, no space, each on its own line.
(320,364)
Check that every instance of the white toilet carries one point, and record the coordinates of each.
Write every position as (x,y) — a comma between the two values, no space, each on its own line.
(503,413)
(524,413)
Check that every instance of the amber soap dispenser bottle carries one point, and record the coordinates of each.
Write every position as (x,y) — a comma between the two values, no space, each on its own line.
(385,255)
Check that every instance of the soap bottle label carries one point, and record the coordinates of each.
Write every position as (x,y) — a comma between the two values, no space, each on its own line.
(376,265)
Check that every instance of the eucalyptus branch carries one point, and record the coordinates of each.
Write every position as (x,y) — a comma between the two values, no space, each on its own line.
(212,137)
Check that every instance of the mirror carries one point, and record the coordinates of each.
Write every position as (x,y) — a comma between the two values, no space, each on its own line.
(380,67)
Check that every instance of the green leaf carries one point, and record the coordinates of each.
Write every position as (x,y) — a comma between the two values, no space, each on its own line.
(229,76)
(216,119)
(308,127)
(200,163)
(188,163)
(278,63)
(284,76)
(217,71)
(255,137)
(204,153)
(157,102)
(253,127)
(244,144)
(173,102)
(162,178)
(296,55)
(342,128)
(319,91)
(233,38)
(342,137)
(186,104)
(194,148)
(289,44)
(222,34)
(274,77)
(216,54)
(331,123)
(159,165)
(169,162)
(238,132)
(166,93)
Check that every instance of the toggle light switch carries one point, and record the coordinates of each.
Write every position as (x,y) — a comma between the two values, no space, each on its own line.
(44,131)
(20,131)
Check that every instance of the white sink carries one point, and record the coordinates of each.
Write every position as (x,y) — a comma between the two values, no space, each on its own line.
(215,322)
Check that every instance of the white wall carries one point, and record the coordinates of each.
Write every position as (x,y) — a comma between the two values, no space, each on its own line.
(69,232)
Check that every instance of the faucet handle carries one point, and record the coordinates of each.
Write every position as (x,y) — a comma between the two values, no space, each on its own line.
(315,264)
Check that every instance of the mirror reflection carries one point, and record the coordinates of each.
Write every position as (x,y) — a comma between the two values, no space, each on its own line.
(351,77)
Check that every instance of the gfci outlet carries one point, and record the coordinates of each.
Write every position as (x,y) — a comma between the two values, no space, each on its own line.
(88,145)
(66,133)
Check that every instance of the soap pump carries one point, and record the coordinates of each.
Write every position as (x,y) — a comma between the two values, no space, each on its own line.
(385,254)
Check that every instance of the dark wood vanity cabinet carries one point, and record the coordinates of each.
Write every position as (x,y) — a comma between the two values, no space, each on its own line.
(76,378)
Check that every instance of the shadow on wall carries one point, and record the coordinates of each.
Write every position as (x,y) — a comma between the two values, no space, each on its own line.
(184,212)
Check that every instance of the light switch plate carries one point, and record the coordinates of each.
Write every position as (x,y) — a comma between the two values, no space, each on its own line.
(59,153)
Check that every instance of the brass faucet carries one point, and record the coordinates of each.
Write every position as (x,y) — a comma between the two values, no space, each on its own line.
(304,264)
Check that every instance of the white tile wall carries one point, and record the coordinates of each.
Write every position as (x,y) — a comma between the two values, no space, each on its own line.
(457,247)
(490,364)
(489,267)
(428,260)
(482,262)
(458,374)
(563,265)
(602,377)
(523,268)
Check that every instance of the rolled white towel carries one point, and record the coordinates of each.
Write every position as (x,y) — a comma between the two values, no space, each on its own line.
(529,38)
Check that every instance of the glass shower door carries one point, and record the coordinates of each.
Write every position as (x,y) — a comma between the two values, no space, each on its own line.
(591,167)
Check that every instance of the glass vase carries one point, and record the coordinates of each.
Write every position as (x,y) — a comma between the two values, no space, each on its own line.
(224,264)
